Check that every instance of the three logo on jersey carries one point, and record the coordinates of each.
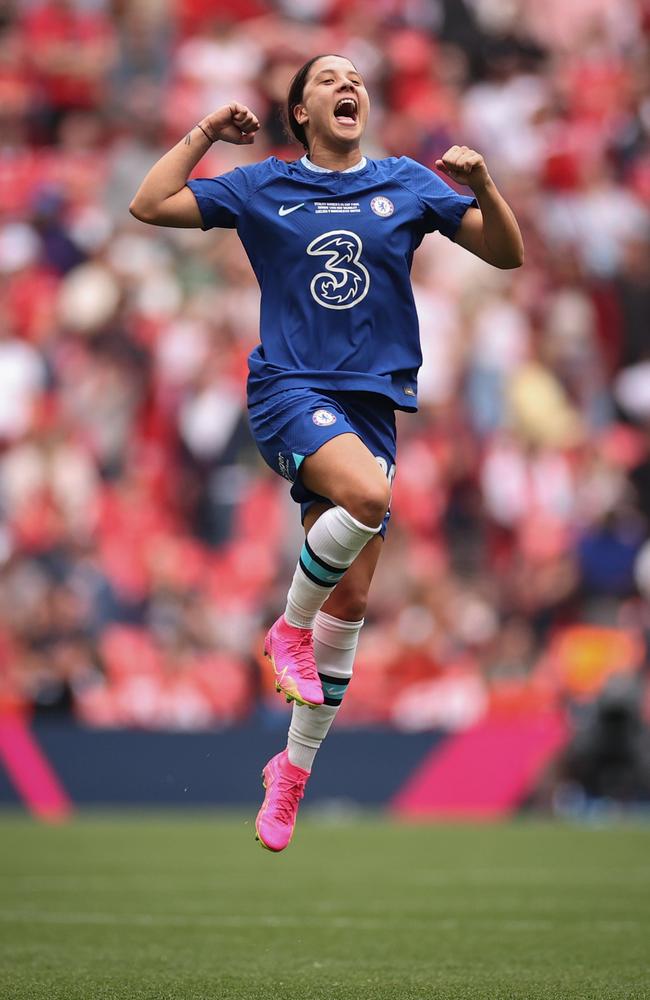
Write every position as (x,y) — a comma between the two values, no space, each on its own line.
(345,280)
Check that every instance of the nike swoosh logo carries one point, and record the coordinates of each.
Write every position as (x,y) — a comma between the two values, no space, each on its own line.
(287,211)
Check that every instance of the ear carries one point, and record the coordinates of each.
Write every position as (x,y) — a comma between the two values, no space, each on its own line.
(300,114)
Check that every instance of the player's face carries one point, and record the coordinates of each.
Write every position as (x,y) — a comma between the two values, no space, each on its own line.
(335,103)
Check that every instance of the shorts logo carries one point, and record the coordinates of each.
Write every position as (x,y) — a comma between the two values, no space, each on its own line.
(323,418)
(283,467)
(382,207)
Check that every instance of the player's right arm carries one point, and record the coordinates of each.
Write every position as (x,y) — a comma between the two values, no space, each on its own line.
(163,199)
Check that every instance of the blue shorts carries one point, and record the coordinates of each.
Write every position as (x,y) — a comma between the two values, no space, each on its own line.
(294,423)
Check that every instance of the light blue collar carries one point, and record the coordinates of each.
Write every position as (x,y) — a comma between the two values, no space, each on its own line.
(306,162)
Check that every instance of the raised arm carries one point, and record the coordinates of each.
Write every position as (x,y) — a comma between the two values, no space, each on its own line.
(163,198)
(489,231)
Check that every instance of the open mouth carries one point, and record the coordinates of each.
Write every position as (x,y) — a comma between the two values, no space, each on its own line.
(346,111)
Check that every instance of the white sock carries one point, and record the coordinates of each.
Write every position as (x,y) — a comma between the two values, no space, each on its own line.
(331,546)
(335,645)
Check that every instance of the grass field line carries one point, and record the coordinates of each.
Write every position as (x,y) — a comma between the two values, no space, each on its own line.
(34,882)
(535,876)
(272,920)
(225,920)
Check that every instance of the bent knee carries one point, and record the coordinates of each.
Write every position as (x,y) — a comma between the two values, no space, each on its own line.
(369,504)
(347,602)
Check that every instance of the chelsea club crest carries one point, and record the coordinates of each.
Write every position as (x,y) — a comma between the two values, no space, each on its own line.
(323,418)
(381,206)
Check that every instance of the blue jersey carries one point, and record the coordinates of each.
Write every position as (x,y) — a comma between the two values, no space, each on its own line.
(332,253)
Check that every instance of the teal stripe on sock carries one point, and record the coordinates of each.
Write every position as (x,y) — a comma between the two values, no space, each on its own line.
(323,574)
(334,692)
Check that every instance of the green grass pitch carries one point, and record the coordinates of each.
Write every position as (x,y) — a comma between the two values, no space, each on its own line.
(164,908)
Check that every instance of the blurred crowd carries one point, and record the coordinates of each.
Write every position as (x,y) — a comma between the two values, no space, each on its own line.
(144,546)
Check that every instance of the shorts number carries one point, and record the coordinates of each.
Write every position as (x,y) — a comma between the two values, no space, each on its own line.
(383,465)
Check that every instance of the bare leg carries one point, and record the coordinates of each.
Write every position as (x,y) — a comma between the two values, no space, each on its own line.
(348,474)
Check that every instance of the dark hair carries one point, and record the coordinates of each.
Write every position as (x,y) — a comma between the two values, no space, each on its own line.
(294,97)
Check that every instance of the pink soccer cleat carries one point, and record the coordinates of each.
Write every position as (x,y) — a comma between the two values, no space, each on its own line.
(291,651)
(285,786)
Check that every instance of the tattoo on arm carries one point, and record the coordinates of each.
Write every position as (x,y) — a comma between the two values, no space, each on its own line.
(188,139)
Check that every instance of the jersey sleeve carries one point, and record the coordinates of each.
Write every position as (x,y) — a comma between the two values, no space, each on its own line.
(222,199)
(442,207)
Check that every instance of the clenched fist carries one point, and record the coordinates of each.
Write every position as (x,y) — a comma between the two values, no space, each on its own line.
(465,166)
(232,123)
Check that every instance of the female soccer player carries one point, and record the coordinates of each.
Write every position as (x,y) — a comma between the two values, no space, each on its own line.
(331,238)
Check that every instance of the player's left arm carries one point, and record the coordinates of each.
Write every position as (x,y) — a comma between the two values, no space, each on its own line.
(489,231)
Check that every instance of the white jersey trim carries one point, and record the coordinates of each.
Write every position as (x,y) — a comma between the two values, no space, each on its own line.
(306,162)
